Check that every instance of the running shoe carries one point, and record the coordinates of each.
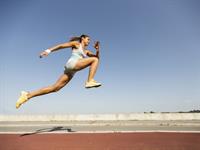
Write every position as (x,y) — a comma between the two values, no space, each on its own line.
(92,84)
(22,99)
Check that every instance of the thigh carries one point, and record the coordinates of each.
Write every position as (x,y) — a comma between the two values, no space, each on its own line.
(63,80)
(83,63)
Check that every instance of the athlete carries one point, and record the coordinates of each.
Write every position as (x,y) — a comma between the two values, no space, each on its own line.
(80,59)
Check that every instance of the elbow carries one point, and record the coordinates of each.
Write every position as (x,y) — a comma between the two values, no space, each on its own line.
(97,56)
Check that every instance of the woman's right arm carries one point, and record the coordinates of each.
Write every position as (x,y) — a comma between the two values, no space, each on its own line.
(58,47)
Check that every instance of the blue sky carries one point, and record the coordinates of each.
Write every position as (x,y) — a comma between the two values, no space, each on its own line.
(149,55)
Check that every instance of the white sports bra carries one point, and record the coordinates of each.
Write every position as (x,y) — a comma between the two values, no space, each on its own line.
(78,52)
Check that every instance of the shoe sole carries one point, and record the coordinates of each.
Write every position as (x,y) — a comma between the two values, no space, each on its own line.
(95,86)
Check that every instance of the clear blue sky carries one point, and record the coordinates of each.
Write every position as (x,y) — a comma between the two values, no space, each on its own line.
(150,55)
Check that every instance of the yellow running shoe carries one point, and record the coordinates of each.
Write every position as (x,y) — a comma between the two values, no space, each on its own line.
(92,84)
(22,99)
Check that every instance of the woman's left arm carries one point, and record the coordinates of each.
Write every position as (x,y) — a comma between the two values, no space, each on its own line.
(90,54)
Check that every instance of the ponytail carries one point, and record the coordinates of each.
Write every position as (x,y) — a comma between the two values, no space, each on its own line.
(78,38)
(75,38)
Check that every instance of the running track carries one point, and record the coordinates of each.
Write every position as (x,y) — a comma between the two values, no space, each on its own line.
(101,141)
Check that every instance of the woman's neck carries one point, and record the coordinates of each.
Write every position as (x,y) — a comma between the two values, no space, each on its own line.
(83,45)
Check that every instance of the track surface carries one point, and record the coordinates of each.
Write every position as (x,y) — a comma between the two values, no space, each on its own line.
(101,141)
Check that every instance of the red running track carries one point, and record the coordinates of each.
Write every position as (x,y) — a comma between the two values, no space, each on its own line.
(101,141)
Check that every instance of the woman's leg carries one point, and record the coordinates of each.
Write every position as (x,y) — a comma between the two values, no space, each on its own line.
(60,83)
(85,62)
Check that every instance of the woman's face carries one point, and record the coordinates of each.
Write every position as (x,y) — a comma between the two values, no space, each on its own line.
(86,41)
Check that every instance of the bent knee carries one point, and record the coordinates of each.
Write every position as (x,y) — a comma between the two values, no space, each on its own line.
(56,88)
(95,59)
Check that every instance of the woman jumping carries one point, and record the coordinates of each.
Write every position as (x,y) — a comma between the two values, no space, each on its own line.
(77,61)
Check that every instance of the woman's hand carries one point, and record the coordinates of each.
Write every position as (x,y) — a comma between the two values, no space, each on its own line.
(96,45)
(44,53)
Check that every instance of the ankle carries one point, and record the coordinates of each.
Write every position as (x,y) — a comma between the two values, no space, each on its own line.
(89,80)
(28,95)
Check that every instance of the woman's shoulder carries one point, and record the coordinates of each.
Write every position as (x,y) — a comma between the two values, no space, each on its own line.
(75,44)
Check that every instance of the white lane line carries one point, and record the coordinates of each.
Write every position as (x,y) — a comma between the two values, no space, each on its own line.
(90,132)
(37,125)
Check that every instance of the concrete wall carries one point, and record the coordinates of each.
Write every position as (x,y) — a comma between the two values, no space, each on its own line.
(106,117)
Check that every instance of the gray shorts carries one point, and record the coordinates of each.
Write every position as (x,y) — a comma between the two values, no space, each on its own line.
(69,66)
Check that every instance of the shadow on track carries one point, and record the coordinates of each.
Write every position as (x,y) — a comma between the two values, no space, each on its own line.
(45,130)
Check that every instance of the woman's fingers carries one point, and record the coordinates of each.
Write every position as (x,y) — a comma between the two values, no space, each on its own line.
(96,45)
(43,54)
